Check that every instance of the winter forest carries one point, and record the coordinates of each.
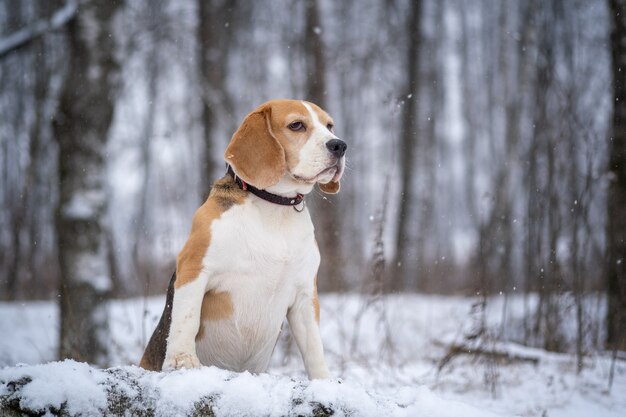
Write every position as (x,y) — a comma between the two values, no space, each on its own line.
(472,263)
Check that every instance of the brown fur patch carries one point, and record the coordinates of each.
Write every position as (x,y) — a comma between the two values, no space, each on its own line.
(254,153)
(323,117)
(224,194)
(285,112)
(330,188)
(215,306)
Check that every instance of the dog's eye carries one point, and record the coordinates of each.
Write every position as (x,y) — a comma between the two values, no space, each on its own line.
(296,126)
(330,126)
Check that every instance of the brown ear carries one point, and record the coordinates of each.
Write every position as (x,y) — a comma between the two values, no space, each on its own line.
(331,187)
(254,153)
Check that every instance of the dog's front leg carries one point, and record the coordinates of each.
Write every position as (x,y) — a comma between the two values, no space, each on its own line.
(305,329)
(181,342)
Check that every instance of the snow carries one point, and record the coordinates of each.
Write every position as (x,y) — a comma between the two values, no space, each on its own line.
(56,383)
(383,352)
(82,389)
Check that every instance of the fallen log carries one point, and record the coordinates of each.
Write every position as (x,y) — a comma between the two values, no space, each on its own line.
(72,389)
(498,354)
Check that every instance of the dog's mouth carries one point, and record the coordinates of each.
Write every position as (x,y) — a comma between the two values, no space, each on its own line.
(334,171)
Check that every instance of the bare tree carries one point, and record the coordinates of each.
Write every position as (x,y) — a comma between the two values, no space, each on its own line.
(616,198)
(21,209)
(407,147)
(314,55)
(217,21)
(29,63)
(81,127)
(156,37)
(430,154)
(325,211)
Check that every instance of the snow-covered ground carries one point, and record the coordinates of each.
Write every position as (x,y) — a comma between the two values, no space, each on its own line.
(384,353)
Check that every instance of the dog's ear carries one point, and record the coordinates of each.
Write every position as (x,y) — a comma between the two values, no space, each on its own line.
(254,153)
(331,187)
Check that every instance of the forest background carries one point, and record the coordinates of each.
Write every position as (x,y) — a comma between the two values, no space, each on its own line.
(487,148)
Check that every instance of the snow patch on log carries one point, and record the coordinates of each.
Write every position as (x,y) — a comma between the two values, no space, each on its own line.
(72,388)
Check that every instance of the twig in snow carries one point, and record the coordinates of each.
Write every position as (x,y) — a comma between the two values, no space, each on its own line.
(612,372)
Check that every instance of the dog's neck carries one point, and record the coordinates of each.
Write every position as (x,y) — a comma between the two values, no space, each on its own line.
(288,186)
(283,194)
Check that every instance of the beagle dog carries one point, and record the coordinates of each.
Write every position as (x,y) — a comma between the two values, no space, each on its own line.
(251,258)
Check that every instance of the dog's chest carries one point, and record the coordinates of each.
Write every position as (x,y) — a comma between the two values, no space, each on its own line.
(248,240)
(261,261)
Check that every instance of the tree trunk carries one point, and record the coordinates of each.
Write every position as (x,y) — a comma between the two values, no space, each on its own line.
(408,144)
(315,60)
(431,156)
(616,197)
(81,127)
(141,232)
(325,211)
(206,44)
(216,26)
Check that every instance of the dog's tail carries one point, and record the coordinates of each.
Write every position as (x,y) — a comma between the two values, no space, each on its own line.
(154,354)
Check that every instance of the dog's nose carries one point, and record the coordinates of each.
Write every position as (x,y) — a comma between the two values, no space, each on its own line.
(337,147)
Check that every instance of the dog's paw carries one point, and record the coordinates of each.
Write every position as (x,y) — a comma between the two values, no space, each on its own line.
(319,372)
(181,360)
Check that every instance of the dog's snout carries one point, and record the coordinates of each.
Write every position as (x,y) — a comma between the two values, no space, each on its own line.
(337,147)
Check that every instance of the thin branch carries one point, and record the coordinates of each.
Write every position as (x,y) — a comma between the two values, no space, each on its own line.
(28,34)
(500,356)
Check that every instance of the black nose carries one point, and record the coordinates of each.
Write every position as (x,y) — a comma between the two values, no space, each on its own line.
(337,147)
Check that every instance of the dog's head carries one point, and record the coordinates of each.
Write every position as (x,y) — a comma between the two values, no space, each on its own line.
(288,146)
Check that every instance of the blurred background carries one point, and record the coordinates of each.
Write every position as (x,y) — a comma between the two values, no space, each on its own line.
(478,160)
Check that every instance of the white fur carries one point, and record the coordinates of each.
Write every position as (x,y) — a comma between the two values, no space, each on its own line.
(265,257)
(186,315)
(289,186)
(306,332)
